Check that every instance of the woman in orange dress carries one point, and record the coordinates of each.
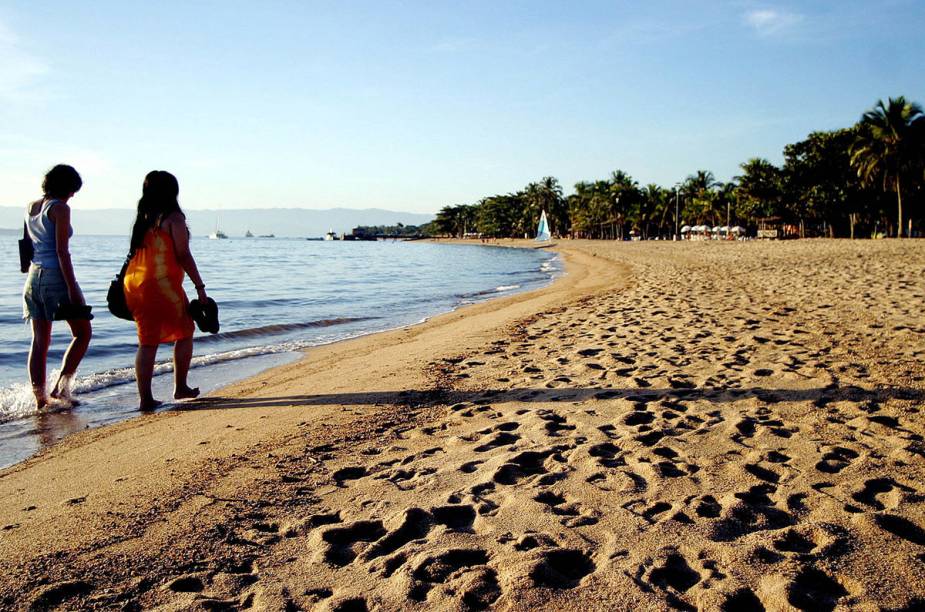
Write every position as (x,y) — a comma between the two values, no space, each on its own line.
(154,285)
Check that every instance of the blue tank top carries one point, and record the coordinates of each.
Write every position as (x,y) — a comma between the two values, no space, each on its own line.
(41,230)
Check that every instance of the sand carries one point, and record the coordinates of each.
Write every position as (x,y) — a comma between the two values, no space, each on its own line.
(729,426)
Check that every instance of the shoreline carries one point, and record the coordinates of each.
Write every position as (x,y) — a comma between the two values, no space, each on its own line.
(52,428)
(87,473)
(578,443)
(305,354)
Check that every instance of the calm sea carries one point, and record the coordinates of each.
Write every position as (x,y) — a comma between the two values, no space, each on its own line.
(276,296)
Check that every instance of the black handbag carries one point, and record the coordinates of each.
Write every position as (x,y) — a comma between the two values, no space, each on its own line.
(26,250)
(115,297)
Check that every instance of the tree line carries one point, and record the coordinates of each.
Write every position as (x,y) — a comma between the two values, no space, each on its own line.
(863,180)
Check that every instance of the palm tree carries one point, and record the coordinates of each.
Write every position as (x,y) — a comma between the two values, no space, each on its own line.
(653,205)
(889,148)
(554,205)
(700,189)
(622,196)
(725,198)
(533,207)
(759,189)
(455,220)
(545,195)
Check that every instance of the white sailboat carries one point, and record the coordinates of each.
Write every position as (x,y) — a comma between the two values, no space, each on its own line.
(217,234)
(542,230)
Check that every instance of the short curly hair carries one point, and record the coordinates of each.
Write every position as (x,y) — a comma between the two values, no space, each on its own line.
(61,181)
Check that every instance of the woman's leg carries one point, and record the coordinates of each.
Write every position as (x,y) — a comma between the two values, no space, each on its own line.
(182,355)
(81,330)
(144,371)
(38,355)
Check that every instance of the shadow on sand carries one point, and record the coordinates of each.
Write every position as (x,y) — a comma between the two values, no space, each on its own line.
(819,396)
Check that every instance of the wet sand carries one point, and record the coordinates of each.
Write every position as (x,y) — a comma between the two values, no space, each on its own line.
(704,426)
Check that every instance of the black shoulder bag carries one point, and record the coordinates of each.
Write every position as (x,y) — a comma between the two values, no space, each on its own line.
(115,297)
(26,250)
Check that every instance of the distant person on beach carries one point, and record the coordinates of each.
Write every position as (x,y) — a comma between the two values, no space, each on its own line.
(160,255)
(51,292)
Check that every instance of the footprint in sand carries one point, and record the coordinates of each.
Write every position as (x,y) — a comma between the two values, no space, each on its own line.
(560,568)
(835,459)
(567,508)
(450,568)
(813,589)
(339,546)
(754,511)
(499,439)
(876,491)
(903,528)
(525,465)
(671,574)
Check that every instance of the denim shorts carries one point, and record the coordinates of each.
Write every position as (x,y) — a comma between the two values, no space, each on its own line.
(44,293)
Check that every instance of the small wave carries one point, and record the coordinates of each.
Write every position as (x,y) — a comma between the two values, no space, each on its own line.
(476,294)
(550,265)
(16,401)
(280,328)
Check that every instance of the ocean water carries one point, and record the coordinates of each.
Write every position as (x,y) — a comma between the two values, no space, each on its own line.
(275,296)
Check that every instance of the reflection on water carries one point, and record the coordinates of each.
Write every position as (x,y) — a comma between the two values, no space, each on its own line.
(20,438)
(51,427)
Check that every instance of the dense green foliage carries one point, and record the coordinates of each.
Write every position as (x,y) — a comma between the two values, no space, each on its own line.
(399,230)
(859,181)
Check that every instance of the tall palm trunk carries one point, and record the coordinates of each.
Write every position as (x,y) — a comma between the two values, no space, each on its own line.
(899,205)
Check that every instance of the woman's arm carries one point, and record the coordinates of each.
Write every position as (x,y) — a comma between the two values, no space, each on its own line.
(175,224)
(61,214)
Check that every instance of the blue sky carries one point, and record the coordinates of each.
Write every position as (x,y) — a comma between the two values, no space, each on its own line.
(415,105)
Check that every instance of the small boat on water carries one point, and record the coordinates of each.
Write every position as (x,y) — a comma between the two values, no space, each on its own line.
(542,230)
(268,235)
(218,234)
(248,234)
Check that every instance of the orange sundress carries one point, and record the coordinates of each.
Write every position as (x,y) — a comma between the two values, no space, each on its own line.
(154,291)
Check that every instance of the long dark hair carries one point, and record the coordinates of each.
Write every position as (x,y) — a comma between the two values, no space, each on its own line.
(158,200)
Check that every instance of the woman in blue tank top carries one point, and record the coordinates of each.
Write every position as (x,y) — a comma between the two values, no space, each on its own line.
(51,292)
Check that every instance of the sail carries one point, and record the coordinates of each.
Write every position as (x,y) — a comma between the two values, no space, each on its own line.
(542,230)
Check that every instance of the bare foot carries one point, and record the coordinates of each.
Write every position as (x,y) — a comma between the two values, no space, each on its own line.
(64,400)
(186,393)
(149,405)
(61,392)
(61,403)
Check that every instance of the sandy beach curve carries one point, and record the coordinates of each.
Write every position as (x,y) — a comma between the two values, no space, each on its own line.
(667,426)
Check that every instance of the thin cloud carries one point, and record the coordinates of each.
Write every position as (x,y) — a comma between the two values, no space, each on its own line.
(19,69)
(769,22)
(454,45)
(646,31)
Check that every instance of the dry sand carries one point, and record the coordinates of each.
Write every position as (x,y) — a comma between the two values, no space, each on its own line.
(669,426)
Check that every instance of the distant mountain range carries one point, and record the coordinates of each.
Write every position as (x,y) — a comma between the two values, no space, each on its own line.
(294,222)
